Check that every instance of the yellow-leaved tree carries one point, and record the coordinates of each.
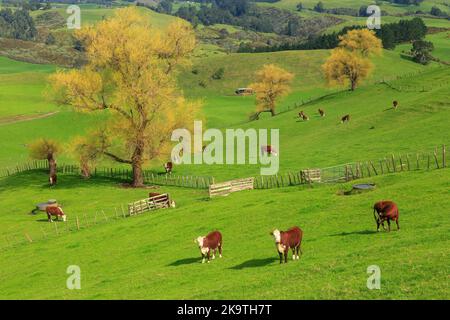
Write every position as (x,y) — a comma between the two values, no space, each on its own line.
(131,75)
(362,41)
(272,83)
(350,62)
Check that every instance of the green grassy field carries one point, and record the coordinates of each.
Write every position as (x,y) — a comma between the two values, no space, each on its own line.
(391,8)
(152,256)
(21,88)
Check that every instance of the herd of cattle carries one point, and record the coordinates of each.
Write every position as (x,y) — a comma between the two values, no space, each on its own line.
(345,118)
(384,211)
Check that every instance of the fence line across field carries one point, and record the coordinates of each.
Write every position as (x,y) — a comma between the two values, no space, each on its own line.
(434,159)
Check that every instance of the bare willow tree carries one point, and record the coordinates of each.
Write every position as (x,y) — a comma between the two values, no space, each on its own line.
(131,74)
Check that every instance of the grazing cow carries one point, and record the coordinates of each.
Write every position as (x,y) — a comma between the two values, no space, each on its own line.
(168,167)
(212,241)
(395,104)
(302,115)
(322,112)
(155,194)
(345,118)
(269,150)
(385,211)
(288,239)
(55,211)
(52,179)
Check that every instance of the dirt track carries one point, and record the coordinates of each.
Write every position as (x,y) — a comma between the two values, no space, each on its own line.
(26,117)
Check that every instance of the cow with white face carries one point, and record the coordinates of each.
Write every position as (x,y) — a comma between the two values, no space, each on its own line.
(285,240)
(55,211)
(211,242)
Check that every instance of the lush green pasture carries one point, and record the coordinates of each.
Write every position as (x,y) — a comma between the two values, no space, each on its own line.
(90,14)
(152,256)
(21,88)
(384,5)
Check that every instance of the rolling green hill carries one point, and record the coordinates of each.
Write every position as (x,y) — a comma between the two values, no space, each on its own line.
(152,256)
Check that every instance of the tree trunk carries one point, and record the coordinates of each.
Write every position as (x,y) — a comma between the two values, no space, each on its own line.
(272,112)
(85,170)
(138,177)
(136,163)
(52,169)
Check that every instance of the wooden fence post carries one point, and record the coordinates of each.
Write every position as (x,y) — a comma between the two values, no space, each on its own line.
(393,163)
(78,223)
(123,212)
(444,165)
(28,237)
(436,158)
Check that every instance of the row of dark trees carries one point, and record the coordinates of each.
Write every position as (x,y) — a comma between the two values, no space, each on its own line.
(241,13)
(390,34)
(17,24)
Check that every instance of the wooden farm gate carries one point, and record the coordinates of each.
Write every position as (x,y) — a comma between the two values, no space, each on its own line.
(153,203)
(310,175)
(225,188)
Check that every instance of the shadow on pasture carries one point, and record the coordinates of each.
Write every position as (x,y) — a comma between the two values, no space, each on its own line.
(185,261)
(255,263)
(363,232)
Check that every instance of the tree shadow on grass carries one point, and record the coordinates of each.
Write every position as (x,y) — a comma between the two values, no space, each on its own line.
(185,261)
(362,232)
(254,263)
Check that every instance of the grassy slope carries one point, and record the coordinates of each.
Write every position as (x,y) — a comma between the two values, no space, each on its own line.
(21,86)
(390,8)
(143,258)
(152,255)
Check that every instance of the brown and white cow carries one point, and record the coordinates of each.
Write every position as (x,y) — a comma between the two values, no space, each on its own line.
(322,112)
(395,104)
(303,116)
(55,211)
(52,179)
(168,167)
(386,211)
(268,150)
(211,242)
(345,118)
(285,240)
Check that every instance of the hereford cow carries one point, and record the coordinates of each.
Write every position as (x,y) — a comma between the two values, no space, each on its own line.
(345,118)
(212,241)
(395,104)
(288,239)
(168,167)
(269,150)
(303,116)
(322,112)
(52,179)
(385,211)
(55,211)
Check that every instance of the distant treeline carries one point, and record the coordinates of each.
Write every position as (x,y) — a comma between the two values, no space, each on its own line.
(17,25)
(247,15)
(390,34)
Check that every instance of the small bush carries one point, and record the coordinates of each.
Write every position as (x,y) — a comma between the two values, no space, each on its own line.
(218,74)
